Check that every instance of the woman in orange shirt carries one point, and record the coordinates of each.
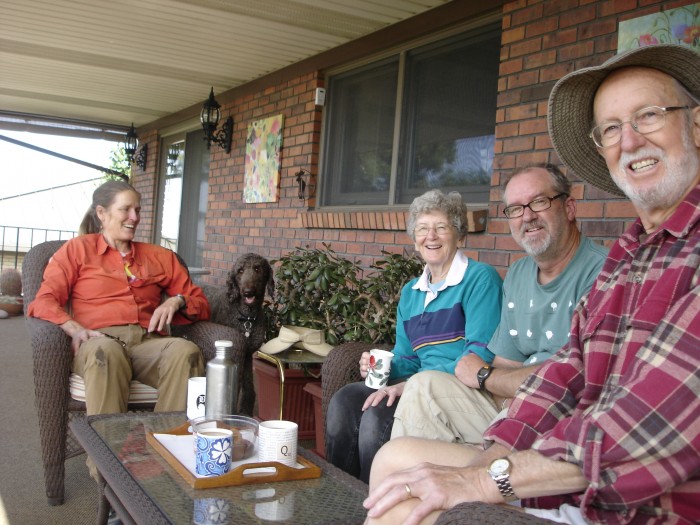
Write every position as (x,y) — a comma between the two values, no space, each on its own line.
(117,318)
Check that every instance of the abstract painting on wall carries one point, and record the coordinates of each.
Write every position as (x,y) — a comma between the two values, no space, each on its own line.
(673,26)
(262,160)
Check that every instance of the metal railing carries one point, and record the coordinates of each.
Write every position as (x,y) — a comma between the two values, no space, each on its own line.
(16,241)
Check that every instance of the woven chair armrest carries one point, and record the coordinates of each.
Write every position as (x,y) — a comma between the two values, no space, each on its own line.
(477,513)
(52,357)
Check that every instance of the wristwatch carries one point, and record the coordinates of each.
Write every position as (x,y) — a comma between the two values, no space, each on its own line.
(483,374)
(499,470)
(184,300)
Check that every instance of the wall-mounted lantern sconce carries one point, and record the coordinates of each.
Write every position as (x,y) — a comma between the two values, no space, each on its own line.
(302,184)
(209,117)
(131,145)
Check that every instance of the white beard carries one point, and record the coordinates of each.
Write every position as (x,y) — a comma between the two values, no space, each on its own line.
(533,247)
(680,173)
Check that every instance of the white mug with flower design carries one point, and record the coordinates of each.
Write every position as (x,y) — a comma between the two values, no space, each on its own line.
(379,368)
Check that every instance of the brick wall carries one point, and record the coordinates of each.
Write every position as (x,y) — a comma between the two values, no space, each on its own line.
(542,40)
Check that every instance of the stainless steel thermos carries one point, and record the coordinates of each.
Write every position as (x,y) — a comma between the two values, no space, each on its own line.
(222,382)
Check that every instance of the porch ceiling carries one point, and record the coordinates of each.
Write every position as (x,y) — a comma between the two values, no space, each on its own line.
(117,62)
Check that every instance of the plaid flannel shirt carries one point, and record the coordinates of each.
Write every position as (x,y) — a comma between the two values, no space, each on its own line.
(622,399)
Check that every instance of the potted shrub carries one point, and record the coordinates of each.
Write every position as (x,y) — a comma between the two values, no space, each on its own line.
(11,291)
(320,289)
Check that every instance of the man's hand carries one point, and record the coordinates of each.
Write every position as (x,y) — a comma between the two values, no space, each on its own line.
(390,392)
(467,367)
(163,315)
(435,487)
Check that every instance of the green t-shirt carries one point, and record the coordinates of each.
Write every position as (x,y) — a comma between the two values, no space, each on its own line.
(536,319)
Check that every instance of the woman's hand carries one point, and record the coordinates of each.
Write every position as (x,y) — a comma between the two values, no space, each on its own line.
(364,364)
(163,315)
(390,392)
(78,334)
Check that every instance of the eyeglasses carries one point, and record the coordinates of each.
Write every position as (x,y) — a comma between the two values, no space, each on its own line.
(538,204)
(440,229)
(646,120)
(115,339)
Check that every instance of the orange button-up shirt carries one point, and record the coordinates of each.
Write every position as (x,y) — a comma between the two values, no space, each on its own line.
(107,289)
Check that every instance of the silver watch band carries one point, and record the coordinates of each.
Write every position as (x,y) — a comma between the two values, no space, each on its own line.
(505,488)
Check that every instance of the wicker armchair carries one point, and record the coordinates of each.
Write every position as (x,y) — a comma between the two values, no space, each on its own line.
(52,367)
(341,367)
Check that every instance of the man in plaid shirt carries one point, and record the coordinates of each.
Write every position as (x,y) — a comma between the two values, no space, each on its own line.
(606,431)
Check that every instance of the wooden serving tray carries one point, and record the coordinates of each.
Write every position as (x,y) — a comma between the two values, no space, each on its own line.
(239,475)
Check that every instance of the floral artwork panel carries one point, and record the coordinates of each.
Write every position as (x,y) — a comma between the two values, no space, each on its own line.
(262,160)
(673,26)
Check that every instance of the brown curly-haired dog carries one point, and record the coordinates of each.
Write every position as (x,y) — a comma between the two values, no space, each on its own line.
(241,307)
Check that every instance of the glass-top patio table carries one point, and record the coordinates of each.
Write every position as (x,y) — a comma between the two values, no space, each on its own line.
(143,488)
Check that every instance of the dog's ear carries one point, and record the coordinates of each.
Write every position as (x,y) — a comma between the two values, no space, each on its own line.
(234,292)
(270,280)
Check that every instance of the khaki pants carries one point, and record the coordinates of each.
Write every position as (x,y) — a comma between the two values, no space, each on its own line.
(107,366)
(437,405)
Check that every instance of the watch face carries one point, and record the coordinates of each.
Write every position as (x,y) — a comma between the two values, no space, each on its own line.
(500,466)
(483,372)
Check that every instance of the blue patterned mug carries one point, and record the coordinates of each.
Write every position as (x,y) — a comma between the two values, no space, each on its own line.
(212,450)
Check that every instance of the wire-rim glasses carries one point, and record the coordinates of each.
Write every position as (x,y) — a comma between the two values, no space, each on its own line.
(536,205)
(441,229)
(646,120)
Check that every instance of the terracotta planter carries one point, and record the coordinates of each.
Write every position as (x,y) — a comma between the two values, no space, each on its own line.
(12,308)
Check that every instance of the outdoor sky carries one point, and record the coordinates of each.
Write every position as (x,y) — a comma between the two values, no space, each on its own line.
(23,170)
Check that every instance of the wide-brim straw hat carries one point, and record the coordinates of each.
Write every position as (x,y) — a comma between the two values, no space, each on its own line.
(570,116)
(299,337)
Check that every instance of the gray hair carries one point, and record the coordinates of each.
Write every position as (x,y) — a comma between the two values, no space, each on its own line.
(435,200)
(560,182)
(104,196)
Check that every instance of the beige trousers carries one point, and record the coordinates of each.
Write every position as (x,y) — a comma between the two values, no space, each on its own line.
(437,405)
(108,366)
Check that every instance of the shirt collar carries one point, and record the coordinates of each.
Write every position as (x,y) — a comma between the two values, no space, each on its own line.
(454,275)
(102,247)
(683,220)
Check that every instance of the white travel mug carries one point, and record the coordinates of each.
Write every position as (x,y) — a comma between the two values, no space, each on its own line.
(196,396)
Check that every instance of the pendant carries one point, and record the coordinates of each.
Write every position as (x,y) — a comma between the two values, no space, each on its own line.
(247,326)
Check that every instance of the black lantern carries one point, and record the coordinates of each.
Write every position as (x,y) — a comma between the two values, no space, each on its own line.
(131,144)
(209,117)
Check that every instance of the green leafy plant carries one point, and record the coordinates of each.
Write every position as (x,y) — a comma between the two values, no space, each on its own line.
(323,290)
(382,291)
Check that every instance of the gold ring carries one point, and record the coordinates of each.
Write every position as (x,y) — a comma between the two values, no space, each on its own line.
(408,490)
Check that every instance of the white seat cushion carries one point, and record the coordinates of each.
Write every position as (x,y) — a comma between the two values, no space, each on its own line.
(138,392)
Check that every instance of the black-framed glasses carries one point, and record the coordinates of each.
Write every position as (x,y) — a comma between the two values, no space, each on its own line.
(646,120)
(538,204)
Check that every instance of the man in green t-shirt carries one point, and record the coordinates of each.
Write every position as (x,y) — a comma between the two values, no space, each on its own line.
(540,293)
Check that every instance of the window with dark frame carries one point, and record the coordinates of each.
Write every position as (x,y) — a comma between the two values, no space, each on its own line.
(443,95)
